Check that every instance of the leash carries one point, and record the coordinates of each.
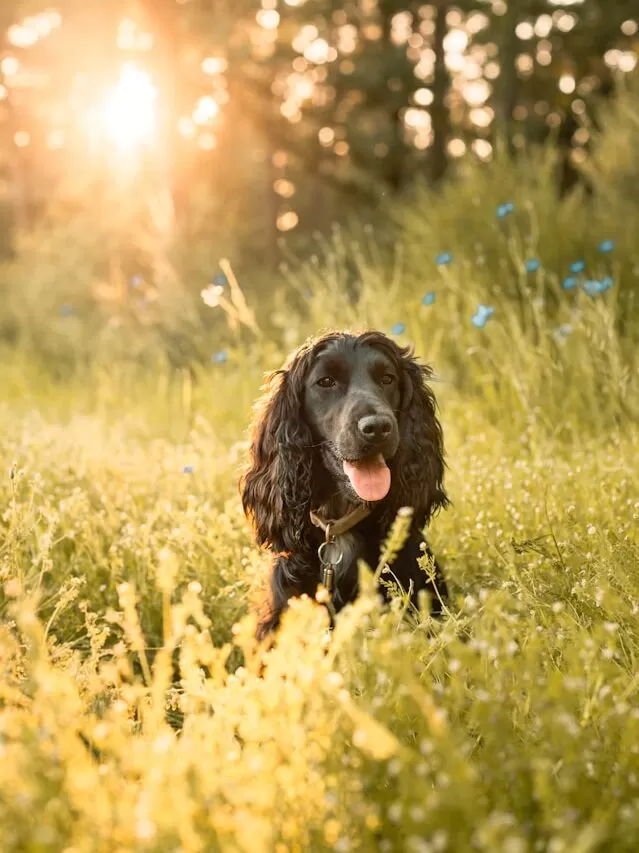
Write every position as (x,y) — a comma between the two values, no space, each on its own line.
(329,552)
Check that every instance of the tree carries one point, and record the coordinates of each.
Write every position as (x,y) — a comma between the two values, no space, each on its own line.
(311,108)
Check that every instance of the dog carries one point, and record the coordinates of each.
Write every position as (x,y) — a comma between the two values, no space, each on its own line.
(345,436)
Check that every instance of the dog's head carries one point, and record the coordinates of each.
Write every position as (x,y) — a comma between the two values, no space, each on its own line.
(348,415)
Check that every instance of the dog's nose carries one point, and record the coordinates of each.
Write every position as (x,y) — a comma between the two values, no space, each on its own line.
(375,428)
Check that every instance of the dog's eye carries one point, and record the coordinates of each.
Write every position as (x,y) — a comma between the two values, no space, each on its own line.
(387,379)
(326,382)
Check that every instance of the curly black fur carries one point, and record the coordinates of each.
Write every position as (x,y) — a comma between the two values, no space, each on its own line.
(296,464)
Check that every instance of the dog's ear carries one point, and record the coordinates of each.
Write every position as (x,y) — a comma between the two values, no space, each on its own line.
(418,468)
(276,489)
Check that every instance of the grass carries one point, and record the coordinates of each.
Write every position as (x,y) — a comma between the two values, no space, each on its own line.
(137,713)
(511,726)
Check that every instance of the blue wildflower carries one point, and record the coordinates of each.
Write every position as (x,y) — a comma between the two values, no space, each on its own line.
(569,283)
(577,266)
(483,314)
(66,310)
(532,265)
(220,279)
(220,357)
(443,258)
(606,246)
(504,209)
(595,286)
(188,469)
(398,329)
(428,298)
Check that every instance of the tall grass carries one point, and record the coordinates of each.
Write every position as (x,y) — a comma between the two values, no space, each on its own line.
(126,724)
(136,711)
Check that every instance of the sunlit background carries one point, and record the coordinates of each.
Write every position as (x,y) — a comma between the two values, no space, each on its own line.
(189,189)
(283,113)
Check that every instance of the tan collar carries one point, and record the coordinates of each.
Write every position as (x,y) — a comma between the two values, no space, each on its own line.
(337,527)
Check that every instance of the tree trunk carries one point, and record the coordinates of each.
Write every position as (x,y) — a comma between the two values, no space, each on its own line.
(507,84)
(440,116)
(393,169)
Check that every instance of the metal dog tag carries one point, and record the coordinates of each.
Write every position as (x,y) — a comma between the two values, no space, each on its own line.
(330,556)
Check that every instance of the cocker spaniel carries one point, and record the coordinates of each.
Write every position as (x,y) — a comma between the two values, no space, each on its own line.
(346,435)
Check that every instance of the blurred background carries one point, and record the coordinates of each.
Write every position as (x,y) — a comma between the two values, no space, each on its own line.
(189,188)
(305,142)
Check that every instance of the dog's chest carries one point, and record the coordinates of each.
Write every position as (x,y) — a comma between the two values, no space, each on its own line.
(355,546)
(350,547)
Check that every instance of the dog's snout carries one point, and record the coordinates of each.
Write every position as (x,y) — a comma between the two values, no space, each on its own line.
(375,428)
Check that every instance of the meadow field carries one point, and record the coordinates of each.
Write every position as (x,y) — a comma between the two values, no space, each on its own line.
(136,711)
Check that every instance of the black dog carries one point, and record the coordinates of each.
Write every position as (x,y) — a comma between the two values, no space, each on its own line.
(348,434)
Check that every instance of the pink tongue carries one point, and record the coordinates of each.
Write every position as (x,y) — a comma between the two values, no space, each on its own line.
(371,478)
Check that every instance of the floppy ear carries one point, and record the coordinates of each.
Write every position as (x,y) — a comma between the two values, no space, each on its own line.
(276,489)
(418,468)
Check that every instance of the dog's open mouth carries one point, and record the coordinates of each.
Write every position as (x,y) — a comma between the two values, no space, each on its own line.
(370,477)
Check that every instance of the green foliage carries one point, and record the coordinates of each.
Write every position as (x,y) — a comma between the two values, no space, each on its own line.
(613,166)
(371,276)
(511,725)
(541,336)
(136,711)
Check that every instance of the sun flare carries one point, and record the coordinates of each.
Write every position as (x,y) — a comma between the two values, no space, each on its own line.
(129,115)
